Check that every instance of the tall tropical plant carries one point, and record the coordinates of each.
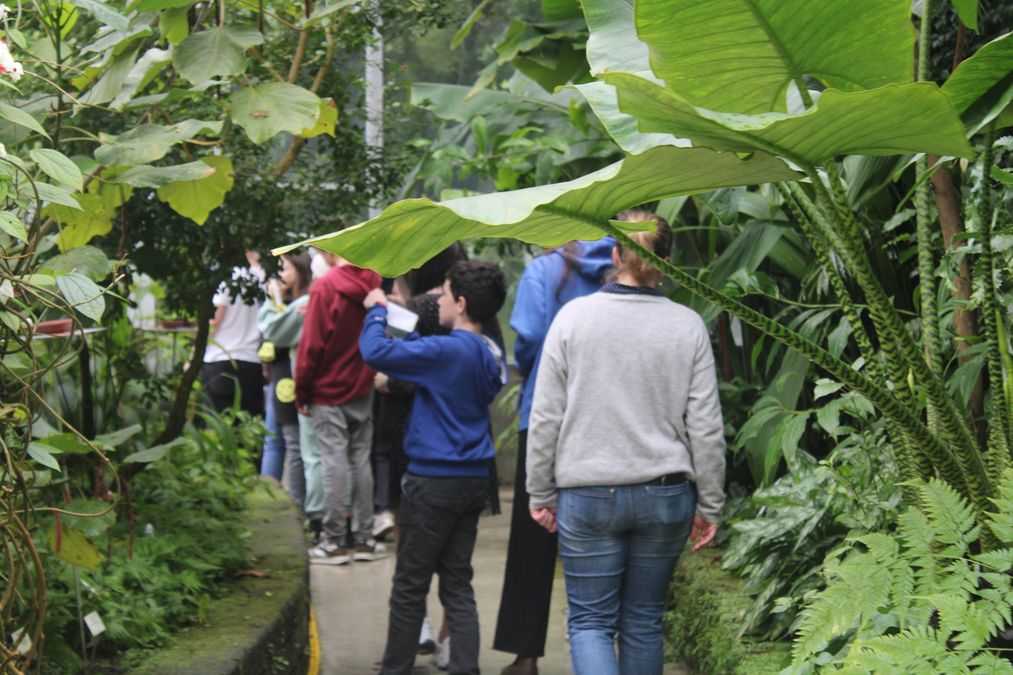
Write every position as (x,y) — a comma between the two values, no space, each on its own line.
(741,94)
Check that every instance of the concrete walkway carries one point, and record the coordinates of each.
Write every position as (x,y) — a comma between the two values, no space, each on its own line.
(351,609)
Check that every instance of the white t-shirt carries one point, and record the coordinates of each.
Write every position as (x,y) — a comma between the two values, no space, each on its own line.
(237,338)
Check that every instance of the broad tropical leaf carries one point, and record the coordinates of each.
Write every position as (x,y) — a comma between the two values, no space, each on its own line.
(891,120)
(742,55)
(982,86)
(196,199)
(410,232)
(159,176)
(613,46)
(215,52)
(150,142)
(620,126)
(268,109)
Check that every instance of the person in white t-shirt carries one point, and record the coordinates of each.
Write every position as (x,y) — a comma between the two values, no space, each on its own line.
(231,355)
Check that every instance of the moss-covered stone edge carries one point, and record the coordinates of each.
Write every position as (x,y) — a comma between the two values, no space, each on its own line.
(705,609)
(261,627)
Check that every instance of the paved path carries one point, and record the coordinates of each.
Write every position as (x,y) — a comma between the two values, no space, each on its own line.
(351,609)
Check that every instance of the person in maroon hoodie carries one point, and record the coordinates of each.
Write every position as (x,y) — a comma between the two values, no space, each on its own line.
(335,388)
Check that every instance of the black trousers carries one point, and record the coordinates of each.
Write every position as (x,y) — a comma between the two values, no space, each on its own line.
(219,380)
(438,527)
(527,584)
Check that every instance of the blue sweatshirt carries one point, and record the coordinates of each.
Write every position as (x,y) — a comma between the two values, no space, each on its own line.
(456,378)
(544,288)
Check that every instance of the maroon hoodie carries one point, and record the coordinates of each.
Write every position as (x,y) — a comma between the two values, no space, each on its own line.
(329,370)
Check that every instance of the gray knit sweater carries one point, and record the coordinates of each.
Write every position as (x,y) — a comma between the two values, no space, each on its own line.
(626,392)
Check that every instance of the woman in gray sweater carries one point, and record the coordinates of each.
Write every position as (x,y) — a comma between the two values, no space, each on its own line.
(626,455)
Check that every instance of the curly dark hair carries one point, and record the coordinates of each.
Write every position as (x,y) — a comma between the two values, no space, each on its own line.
(482,284)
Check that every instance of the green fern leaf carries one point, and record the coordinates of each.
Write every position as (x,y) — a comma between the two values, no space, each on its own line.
(1001,523)
(951,517)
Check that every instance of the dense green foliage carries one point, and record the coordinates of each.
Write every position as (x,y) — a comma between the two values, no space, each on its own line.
(922,601)
(705,609)
(162,555)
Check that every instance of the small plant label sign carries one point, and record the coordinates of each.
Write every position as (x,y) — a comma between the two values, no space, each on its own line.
(95,624)
(22,641)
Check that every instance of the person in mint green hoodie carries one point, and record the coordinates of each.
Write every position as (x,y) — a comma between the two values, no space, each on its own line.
(281,321)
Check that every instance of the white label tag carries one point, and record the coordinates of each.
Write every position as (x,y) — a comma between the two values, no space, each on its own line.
(736,326)
(94,623)
(22,641)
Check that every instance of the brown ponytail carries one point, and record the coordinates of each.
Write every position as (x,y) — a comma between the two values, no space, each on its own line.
(660,242)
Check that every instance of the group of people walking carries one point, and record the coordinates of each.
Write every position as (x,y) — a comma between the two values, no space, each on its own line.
(620,454)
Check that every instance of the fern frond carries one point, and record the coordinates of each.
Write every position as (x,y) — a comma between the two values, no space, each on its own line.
(861,587)
(991,664)
(952,518)
(1001,523)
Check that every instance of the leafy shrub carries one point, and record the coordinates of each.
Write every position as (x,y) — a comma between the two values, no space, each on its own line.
(782,533)
(166,562)
(920,601)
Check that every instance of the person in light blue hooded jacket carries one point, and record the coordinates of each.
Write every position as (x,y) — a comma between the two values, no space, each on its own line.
(549,282)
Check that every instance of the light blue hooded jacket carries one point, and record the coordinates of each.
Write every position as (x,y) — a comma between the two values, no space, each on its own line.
(544,288)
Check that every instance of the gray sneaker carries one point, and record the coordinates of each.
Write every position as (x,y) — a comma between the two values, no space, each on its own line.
(369,551)
(327,553)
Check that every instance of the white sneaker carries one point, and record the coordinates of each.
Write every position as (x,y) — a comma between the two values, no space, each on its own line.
(442,656)
(329,553)
(427,641)
(369,551)
(383,525)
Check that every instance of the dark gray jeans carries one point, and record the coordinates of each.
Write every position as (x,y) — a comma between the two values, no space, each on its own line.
(438,526)
(345,435)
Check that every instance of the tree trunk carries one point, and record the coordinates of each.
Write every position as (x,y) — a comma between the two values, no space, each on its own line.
(965,325)
(177,417)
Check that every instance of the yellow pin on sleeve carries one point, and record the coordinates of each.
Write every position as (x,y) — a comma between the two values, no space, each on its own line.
(285,390)
(266,351)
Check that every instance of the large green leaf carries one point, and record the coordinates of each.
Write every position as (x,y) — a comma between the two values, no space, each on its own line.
(73,547)
(215,52)
(967,10)
(110,84)
(21,118)
(196,199)
(268,109)
(613,44)
(150,142)
(982,86)
(896,119)
(106,14)
(741,55)
(159,176)
(82,294)
(410,232)
(142,73)
(57,166)
(87,260)
(619,125)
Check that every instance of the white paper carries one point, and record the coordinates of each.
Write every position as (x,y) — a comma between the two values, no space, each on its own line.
(22,641)
(400,319)
(95,624)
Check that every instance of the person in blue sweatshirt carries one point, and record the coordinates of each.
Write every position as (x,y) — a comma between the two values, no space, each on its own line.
(550,281)
(449,451)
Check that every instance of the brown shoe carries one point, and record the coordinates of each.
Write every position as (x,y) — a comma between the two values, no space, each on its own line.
(522,666)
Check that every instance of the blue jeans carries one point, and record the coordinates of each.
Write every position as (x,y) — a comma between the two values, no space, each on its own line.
(619,546)
(273,459)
